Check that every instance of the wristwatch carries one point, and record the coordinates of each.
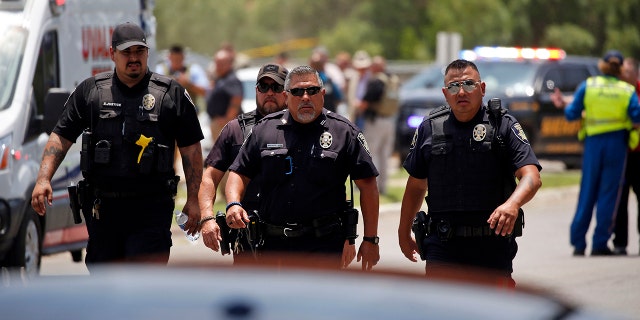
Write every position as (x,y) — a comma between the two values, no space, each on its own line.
(374,239)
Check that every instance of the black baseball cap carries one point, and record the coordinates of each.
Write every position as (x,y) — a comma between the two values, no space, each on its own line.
(274,71)
(126,35)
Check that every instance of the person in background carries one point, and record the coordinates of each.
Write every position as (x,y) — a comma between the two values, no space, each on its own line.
(333,94)
(632,173)
(189,75)
(379,107)
(224,102)
(283,59)
(304,155)
(607,119)
(358,86)
(343,61)
(467,157)
(269,98)
(132,120)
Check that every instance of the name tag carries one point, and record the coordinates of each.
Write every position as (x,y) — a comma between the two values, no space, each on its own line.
(274,145)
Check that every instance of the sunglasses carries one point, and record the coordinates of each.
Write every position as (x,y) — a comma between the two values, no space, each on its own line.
(264,88)
(468,86)
(299,92)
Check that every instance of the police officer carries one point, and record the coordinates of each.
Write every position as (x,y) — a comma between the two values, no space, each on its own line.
(467,156)
(269,98)
(132,118)
(304,155)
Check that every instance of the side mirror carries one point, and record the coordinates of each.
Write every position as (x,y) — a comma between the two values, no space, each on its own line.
(53,106)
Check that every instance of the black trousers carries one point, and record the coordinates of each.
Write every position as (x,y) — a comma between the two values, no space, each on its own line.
(632,180)
(131,229)
(305,251)
(489,256)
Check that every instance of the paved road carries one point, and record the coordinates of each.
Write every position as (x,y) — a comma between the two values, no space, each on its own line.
(544,259)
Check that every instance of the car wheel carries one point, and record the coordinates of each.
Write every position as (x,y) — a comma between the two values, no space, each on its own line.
(27,247)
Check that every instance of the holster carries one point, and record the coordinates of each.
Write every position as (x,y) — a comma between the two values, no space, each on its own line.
(419,228)
(74,202)
(255,228)
(225,233)
(349,219)
(78,195)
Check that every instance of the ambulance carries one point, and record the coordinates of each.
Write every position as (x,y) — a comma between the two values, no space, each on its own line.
(47,47)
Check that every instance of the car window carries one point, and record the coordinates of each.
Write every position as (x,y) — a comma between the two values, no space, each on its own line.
(508,78)
(573,76)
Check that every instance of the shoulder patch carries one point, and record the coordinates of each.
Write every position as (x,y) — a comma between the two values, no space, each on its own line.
(414,140)
(363,142)
(519,132)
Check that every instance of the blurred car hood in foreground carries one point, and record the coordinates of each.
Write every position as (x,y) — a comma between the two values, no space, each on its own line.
(269,292)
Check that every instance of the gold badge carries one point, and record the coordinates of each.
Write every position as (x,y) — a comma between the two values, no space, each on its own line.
(479,132)
(148,101)
(326,139)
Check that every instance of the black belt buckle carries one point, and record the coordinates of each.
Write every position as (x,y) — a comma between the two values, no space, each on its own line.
(444,230)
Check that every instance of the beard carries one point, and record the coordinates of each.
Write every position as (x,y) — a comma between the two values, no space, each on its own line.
(306,115)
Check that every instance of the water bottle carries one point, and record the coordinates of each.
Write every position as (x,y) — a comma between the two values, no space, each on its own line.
(181,220)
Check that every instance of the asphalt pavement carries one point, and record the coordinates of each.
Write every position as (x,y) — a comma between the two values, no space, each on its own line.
(544,260)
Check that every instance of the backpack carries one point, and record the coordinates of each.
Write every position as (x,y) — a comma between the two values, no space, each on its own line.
(389,104)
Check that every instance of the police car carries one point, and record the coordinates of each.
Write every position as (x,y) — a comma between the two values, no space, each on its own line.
(523,78)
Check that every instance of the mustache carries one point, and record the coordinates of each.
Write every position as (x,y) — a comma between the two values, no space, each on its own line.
(305,104)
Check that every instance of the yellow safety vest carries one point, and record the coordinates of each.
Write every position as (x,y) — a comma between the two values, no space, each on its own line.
(606,102)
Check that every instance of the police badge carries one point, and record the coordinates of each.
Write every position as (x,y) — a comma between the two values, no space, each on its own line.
(326,139)
(479,132)
(148,101)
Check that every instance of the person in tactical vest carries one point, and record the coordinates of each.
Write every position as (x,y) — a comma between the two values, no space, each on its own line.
(304,155)
(130,119)
(269,98)
(467,156)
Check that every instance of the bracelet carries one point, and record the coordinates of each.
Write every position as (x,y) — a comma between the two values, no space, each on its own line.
(231,204)
(205,219)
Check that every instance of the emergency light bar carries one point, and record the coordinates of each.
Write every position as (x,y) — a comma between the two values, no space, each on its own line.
(512,53)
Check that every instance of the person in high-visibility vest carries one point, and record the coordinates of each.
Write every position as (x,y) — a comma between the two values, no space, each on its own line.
(608,108)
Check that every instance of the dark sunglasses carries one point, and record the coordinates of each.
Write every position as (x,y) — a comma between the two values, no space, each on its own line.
(264,88)
(468,86)
(299,92)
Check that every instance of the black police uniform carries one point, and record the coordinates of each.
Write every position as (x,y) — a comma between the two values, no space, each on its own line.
(221,156)
(469,175)
(130,197)
(304,168)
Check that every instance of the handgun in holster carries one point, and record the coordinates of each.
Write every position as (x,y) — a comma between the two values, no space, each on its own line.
(225,233)
(76,199)
(420,228)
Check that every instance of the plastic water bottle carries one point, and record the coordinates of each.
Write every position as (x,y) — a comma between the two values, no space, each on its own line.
(181,220)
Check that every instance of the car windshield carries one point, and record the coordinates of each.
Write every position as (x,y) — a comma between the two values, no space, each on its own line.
(12,43)
(509,78)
